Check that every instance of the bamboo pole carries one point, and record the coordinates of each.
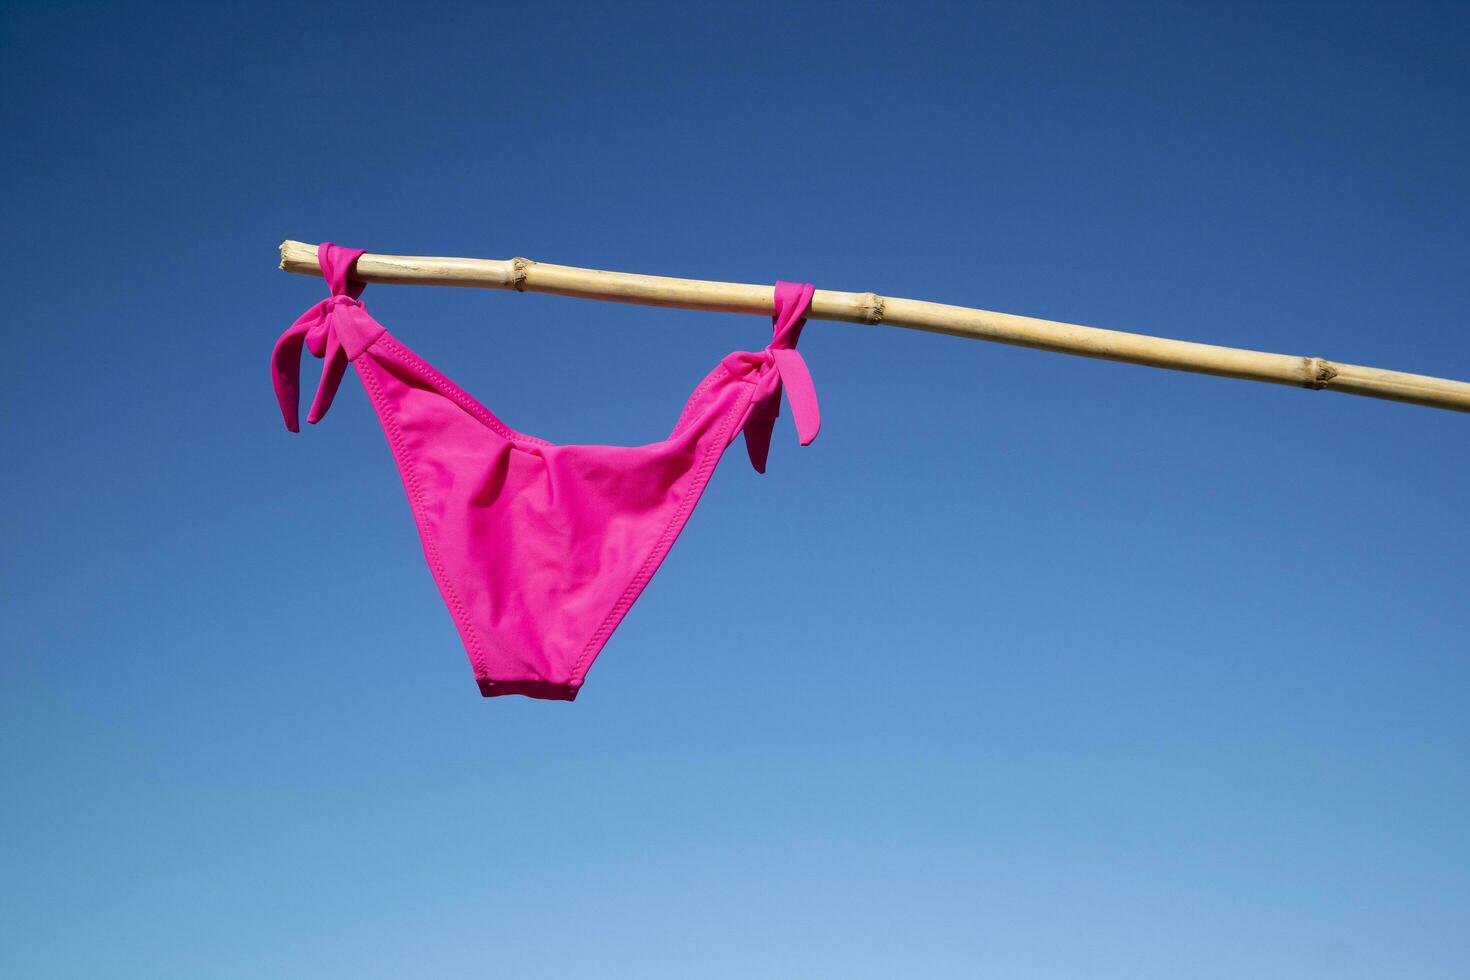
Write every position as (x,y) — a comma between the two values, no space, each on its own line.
(523,275)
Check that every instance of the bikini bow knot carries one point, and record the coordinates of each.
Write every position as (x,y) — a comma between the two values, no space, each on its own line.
(789,373)
(336,330)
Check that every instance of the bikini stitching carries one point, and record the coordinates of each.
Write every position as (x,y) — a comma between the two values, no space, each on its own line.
(700,389)
(665,541)
(395,439)
(461,397)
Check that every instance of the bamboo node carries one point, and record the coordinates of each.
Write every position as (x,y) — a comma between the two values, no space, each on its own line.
(518,267)
(873,309)
(1319,373)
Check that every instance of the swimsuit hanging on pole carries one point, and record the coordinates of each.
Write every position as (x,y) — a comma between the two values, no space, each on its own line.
(539,550)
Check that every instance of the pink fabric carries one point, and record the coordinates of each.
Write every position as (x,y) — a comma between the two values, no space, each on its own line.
(539,550)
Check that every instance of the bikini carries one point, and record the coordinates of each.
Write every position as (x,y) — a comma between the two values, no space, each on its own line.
(539,550)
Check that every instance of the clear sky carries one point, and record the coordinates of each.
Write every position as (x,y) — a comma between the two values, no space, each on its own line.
(1030,666)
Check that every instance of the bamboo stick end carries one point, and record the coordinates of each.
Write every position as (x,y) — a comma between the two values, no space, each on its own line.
(299,257)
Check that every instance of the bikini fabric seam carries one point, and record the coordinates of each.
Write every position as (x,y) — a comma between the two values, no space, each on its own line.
(401,456)
(665,541)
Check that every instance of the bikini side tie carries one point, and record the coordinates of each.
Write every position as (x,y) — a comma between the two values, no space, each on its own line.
(337,330)
(789,373)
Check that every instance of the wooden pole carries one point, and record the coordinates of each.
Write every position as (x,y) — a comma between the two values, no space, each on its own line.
(523,275)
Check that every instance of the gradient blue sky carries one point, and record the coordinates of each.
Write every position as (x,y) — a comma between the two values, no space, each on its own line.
(1031,666)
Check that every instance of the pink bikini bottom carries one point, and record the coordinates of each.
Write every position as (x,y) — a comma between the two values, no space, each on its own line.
(540,550)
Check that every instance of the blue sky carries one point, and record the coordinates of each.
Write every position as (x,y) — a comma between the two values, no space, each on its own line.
(1030,666)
